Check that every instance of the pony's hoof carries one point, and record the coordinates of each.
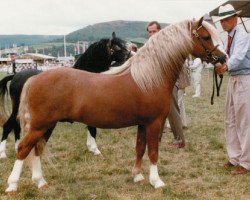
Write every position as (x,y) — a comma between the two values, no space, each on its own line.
(157,183)
(95,151)
(138,178)
(11,190)
(44,187)
(3,155)
(10,193)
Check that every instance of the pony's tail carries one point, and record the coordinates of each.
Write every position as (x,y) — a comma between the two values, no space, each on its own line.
(3,91)
(23,112)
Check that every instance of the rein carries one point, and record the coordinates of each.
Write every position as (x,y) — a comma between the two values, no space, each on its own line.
(215,83)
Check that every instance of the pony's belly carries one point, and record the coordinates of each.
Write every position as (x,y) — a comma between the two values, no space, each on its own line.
(119,118)
(110,120)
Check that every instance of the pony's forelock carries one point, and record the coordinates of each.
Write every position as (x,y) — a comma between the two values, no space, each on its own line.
(214,33)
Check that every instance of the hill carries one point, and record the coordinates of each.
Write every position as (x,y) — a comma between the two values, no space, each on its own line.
(9,40)
(123,29)
(53,44)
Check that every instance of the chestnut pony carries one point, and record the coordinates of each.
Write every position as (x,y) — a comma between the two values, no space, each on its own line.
(137,93)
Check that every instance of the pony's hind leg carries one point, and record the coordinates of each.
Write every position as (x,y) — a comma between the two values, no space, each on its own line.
(28,142)
(7,128)
(152,138)
(14,177)
(91,140)
(140,150)
(36,169)
(35,161)
(17,131)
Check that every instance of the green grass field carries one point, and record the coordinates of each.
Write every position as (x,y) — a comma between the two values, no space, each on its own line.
(195,172)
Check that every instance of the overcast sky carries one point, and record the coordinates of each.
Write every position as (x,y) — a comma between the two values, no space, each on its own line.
(58,17)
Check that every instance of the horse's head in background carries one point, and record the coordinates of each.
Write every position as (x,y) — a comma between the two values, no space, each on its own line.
(206,42)
(119,50)
(99,55)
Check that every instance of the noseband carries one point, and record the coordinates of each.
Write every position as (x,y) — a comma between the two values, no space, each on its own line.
(210,56)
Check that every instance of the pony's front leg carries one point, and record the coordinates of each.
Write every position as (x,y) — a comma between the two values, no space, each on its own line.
(14,177)
(140,150)
(152,138)
(91,140)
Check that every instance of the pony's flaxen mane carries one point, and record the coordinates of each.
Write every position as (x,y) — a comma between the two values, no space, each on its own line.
(161,58)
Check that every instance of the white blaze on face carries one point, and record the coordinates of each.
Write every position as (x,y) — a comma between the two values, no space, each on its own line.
(214,35)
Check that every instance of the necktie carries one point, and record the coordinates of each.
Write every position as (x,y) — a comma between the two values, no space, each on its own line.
(228,43)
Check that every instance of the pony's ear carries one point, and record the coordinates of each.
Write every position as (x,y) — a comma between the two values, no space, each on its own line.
(200,22)
(113,35)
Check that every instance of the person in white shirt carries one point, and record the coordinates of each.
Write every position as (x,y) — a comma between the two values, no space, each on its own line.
(196,69)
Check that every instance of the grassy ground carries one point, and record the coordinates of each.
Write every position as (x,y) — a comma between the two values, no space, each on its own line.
(195,172)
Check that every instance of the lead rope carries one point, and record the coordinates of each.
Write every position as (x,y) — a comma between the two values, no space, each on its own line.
(215,83)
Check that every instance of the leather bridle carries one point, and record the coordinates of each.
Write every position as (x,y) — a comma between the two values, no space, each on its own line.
(213,59)
(210,56)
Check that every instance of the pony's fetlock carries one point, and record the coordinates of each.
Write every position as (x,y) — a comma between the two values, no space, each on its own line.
(92,146)
(3,155)
(16,144)
(2,149)
(154,178)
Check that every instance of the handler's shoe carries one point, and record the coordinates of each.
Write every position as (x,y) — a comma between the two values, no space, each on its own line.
(196,95)
(240,170)
(177,144)
(228,164)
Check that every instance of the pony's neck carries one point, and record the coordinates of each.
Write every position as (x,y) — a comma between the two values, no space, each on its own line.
(161,59)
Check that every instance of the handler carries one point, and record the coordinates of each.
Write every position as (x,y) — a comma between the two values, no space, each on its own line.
(237,120)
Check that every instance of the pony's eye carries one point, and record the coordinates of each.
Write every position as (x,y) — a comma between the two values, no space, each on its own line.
(207,38)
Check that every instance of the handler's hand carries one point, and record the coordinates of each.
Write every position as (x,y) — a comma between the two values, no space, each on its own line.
(220,68)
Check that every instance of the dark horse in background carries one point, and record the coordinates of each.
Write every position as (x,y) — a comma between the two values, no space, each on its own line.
(97,58)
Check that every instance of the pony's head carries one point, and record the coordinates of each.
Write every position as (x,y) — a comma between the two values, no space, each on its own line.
(119,51)
(206,42)
(99,56)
